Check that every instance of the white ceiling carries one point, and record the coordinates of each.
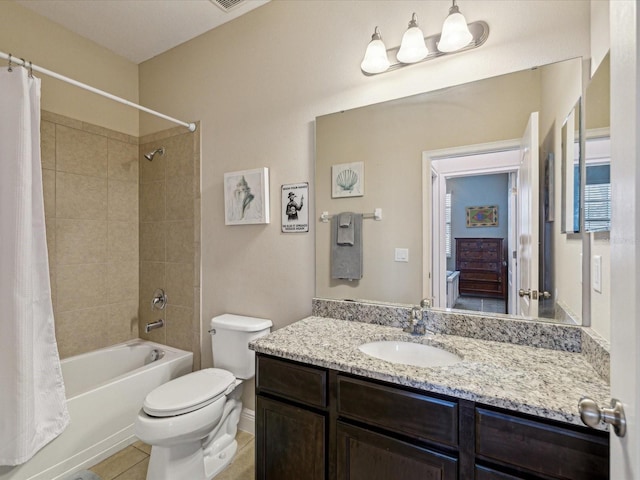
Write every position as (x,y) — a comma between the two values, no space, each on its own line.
(138,29)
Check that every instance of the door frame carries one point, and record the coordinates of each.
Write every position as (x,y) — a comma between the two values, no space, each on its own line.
(435,174)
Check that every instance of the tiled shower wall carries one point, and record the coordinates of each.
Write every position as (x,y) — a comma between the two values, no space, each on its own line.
(170,237)
(90,180)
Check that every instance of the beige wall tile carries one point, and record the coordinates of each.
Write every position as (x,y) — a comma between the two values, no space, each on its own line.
(81,286)
(154,170)
(124,282)
(122,161)
(81,331)
(123,243)
(178,326)
(179,198)
(197,221)
(179,278)
(48,145)
(152,276)
(153,241)
(106,132)
(123,322)
(50,225)
(179,155)
(49,192)
(162,135)
(80,152)
(196,264)
(81,241)
(123,201)
(61,120)
(152,202)
(180,241)
(197,357)
(79,196)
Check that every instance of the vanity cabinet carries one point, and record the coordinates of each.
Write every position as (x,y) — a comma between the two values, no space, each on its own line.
(316,423)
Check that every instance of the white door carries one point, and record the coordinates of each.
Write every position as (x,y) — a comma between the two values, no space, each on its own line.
(512,243)
(528,220)
(625,238)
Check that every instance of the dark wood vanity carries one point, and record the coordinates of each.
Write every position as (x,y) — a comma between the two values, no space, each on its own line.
(315,423)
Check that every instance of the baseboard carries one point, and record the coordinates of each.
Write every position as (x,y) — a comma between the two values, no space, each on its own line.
(247,421)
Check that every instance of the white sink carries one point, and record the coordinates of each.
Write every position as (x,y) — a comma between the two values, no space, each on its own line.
(409,353)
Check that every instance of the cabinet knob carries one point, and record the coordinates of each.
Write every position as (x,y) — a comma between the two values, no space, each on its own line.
(591,415)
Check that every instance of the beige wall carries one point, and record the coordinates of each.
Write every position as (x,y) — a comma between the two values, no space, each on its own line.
(90,180)
(46,44)
(170,237)
(257,84)
(561,89)
(390,138)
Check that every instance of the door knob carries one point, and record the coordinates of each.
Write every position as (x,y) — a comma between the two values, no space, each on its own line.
(533,294)
(591,415)
(524,293)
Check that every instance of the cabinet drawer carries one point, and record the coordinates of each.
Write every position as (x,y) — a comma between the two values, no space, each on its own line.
(420,416)
(540,447)
(365,455)
(292,381)
(484,473)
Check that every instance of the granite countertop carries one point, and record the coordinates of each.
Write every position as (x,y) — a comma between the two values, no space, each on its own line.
(537,381)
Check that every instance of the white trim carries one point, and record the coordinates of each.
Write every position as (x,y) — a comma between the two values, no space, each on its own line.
(247,422)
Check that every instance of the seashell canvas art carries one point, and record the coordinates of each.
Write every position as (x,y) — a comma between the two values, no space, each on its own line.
(347,180)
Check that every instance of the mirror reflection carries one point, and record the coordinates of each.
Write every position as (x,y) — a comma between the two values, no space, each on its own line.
(475,161)
(571,171)
(597,194)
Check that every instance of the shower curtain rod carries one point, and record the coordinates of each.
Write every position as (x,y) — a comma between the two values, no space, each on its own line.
(20,62)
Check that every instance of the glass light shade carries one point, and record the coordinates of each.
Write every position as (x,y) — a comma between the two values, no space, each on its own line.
(412,48)
(455,32)
(375,58)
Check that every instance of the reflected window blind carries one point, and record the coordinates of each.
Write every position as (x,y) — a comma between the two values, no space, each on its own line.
(597,207)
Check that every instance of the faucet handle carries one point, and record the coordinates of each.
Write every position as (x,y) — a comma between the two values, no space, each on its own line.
(425,303)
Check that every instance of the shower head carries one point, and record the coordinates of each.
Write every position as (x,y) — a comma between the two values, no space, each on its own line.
(149,156)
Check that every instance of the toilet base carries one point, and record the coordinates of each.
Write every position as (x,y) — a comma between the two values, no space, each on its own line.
(214,464)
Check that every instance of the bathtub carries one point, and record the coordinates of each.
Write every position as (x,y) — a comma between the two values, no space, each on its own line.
(105,389)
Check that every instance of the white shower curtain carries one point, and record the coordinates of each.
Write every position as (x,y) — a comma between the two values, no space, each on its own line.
(33,408)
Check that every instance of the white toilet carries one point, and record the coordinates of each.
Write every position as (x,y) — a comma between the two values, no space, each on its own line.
(191,421)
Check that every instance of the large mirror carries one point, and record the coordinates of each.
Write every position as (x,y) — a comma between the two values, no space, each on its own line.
(597,194)
(466,181)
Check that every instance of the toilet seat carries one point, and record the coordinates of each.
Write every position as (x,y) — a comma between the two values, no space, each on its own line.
(189,393)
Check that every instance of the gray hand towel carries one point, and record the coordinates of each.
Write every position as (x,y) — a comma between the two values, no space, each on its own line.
(345,229)
(346,260)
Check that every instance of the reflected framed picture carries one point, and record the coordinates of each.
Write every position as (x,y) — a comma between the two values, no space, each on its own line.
(347,180)
(295,209)
(246,197)
(482,216)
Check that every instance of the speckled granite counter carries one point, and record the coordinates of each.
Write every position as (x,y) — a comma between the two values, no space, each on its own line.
(538,381)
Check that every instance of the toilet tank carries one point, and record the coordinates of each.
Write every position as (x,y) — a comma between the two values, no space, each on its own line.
(230,337)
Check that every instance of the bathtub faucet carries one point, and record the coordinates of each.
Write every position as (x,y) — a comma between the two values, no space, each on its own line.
(154,325)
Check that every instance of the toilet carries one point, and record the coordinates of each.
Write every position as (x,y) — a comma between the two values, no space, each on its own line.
(191,421)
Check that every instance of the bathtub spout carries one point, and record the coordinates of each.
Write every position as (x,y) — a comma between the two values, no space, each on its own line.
(153,325)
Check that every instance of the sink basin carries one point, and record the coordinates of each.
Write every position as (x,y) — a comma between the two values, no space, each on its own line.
(408,353)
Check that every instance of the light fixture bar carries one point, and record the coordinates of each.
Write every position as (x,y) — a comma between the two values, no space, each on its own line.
(479,30)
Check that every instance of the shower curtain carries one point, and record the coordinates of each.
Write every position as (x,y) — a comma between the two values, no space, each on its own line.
(33,407)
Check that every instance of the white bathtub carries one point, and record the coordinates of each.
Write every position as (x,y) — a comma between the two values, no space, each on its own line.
(105,390)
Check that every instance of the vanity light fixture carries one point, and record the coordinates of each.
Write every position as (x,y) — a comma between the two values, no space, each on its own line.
(375,58)
(412,49)
(456,36)
(455,33)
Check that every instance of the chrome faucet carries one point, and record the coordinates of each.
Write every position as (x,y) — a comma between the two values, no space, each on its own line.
(416,324)
(153,325)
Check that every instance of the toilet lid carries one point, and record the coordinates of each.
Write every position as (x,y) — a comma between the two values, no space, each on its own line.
(189,392)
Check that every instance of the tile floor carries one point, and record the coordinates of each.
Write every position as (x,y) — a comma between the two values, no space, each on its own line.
(131,463)
(479,304)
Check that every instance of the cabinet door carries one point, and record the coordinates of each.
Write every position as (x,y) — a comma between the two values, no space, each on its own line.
(290,442)
(365,455)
